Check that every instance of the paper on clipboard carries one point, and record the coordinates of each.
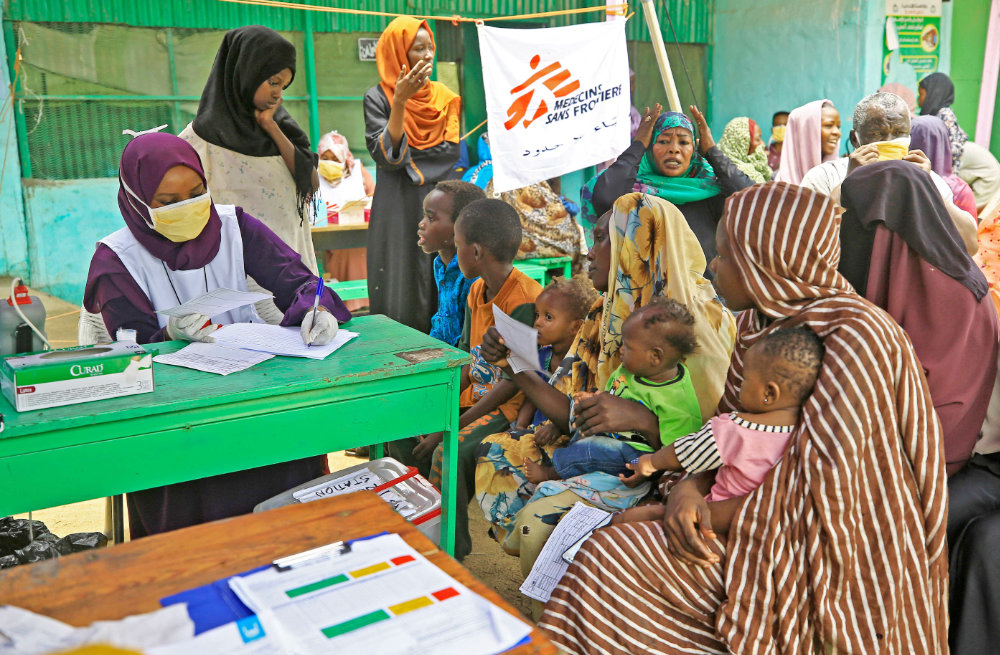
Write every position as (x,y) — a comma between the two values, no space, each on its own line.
(379,596)
(520,339)
(216,302)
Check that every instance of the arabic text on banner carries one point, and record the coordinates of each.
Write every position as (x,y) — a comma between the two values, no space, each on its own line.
(557,99)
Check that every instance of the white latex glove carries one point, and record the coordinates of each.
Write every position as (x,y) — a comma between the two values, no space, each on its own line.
(190,328)
(322,332)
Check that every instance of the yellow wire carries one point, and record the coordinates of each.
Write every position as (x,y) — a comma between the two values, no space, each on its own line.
(470,132)
(619,9)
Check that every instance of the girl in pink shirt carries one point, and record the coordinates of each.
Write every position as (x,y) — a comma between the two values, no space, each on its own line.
(779,374)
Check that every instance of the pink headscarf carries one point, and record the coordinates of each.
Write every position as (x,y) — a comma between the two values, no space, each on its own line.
(336,143)
(803,149)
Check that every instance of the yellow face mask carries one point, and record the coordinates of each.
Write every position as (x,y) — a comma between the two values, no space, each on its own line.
(182,221)
(179,222)
(895,149)
(331,170)
(778,134)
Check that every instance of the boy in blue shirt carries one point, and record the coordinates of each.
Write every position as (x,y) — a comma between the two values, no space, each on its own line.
(436,233)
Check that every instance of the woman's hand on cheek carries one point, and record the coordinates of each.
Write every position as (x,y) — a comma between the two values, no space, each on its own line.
(687,525)
(410,81)
(265,118)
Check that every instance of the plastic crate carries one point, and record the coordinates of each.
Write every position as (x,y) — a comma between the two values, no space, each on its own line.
(389,475)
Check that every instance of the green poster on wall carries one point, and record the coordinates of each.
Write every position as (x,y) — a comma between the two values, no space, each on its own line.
(913,35)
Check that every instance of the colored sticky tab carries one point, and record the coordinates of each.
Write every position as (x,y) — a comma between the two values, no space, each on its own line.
(368,570)
(355,623)
(410,605)
(399,561)
(315,586)
(250,629)
(445,594)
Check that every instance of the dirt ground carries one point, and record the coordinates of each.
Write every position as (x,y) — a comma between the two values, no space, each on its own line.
(487,561)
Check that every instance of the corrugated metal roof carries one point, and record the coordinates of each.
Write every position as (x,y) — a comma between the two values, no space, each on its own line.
(692,18)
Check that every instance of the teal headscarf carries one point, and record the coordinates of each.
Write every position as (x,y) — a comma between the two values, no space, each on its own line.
(697,183)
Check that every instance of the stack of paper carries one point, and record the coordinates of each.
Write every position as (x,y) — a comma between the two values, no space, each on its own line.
(216,302)
(26,633)
(213,358)
(380,596)
(574,528)
(276,340)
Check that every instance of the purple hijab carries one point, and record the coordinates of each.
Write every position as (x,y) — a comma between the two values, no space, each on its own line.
(930,134)
(144,162)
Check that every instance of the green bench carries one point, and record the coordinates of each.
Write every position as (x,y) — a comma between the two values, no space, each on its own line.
(540,270)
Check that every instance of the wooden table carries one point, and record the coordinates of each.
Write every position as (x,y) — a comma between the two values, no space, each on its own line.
(340,237)
(113,583)
(389,383)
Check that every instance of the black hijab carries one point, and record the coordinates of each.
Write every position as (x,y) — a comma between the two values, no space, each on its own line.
(247,57)
(940,93)
(901,196)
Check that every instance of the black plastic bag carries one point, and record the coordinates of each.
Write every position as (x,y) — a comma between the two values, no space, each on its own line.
(15,533)
(36,551)
(74,543)
(18,547)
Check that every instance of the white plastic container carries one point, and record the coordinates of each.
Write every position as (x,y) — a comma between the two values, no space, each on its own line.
(410,494)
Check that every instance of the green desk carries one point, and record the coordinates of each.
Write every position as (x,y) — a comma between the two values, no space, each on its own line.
(389,383)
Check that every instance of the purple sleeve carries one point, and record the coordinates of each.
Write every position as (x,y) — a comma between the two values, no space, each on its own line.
(114,294)
(279,269)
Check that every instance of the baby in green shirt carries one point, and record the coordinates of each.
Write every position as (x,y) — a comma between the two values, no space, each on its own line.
(655,340)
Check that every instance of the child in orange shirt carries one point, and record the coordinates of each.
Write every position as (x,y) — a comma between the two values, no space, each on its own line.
(487,236)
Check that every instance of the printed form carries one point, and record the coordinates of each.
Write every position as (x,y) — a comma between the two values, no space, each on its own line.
(277,340)
(215,302)
(520,339)
(213,358)
(380,597)
(574,528)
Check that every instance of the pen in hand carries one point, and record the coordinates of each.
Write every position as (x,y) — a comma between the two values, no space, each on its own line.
(319,294)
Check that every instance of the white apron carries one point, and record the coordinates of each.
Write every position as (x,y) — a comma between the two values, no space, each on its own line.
(166,288)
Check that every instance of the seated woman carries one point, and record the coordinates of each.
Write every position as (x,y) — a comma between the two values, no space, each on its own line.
(936,93)
(662,162)
(176,246)
(651,250)
(741,142)
(812,137)
(901,251)
(848,525)
(929,134)
(346,189)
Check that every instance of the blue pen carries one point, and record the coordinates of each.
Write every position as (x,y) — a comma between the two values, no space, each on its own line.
(319,294)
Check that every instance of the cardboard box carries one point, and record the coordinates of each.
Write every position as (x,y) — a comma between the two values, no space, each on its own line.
(76,375)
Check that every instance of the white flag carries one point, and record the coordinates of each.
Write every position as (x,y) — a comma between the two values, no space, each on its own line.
(557,99)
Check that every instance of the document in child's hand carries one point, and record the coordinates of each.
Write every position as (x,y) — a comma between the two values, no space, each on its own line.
(550,565)
(277,340)
(213,358)
(216,302)
(520,339)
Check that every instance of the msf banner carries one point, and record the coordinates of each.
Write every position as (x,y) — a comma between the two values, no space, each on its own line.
(557,99)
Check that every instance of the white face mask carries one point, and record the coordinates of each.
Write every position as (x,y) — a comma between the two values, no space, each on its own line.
(181,221)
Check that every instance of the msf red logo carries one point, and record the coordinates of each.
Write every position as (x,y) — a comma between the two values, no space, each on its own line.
(553,77)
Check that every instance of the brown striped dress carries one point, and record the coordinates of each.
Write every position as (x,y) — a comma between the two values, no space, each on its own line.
(842,547)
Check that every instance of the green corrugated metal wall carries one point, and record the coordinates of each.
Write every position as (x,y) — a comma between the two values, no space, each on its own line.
(692,18)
